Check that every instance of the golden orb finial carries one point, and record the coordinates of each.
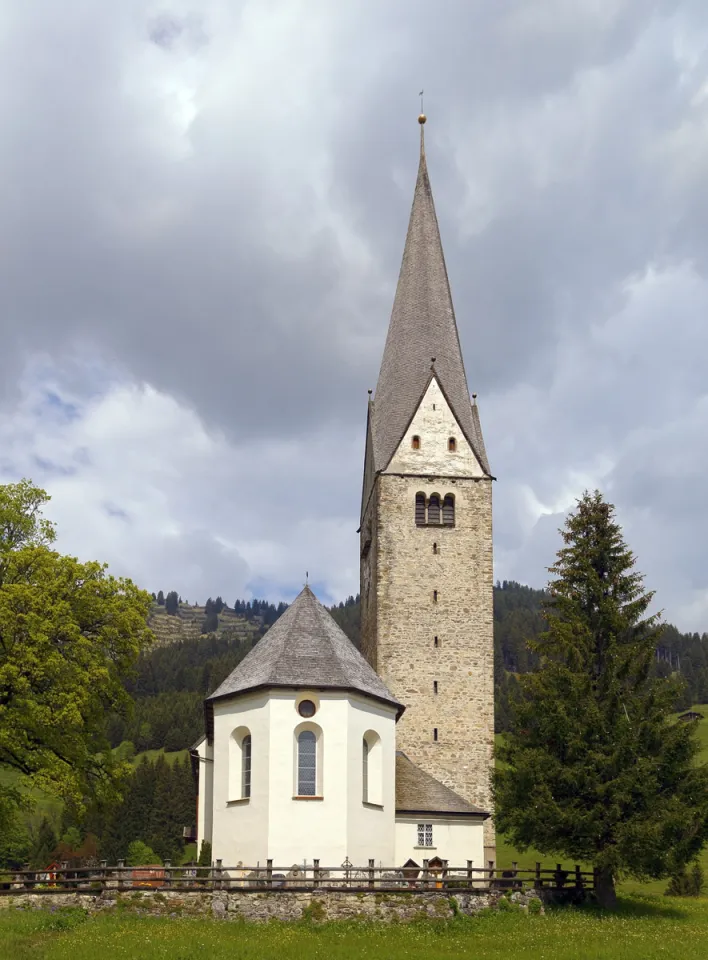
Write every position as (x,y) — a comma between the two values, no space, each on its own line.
(422,118)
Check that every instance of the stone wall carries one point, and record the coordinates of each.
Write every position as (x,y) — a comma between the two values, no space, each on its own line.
(257,907)
(400,622)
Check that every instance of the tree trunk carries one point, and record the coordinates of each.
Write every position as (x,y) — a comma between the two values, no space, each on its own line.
(605,892)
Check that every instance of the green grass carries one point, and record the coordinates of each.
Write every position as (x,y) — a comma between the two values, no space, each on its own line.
(641,929)
(152,755)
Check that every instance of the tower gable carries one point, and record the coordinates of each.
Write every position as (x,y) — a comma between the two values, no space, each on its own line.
(435,425)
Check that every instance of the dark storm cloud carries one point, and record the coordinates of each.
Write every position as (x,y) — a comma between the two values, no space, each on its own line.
(213,199)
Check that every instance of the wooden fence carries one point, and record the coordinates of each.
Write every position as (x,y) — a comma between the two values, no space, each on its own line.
(433,876)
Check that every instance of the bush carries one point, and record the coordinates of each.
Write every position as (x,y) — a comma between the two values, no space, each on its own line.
(140,854)
(687,883)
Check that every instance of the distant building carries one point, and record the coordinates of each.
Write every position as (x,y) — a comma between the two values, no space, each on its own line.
(313,751)
(691,715)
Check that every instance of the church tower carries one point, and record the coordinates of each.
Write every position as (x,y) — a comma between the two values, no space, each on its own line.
(426,528)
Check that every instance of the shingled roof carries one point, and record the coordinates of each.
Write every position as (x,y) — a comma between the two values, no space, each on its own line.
(305,648)
(418,792)
(422,326)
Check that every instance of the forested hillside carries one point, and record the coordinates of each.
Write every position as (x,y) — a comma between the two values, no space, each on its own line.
(175,676)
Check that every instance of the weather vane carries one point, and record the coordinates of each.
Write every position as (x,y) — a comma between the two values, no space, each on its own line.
(421,101)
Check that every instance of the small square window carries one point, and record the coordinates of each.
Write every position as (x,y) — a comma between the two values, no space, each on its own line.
(425,834)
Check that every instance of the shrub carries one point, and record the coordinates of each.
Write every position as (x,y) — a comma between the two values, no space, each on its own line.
(686,883)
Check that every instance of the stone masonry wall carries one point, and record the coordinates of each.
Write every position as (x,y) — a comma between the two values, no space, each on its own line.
(319,905)
(399,639)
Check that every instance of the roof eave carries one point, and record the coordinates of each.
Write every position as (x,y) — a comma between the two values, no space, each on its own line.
(399,707)
(466,814)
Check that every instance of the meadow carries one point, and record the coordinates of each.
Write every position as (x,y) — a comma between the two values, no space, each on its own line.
(641,929)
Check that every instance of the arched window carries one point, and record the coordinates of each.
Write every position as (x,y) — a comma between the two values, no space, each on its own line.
(420,509)
(434,509)
(365,770)
(307,764)
(415,443)
(246,766)
(239,772)
(448,510)
(371,769)
(452,444)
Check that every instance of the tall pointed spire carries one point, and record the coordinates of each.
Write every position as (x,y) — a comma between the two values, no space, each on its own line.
(422,327)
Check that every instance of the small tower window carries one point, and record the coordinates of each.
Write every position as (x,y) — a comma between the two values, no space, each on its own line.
(434,509)
(415,443)
(448,510)
(435,734)
(435,548)
(420,509)
(452,444)
(436,642)
(435,686)
(435,596)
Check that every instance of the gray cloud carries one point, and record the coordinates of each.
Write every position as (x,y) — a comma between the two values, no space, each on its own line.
(212,199)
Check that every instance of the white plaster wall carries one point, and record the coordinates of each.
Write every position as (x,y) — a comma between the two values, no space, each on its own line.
(240,827)
(273,823)
(434,422)
(455,840)
(371,830)
(205,800)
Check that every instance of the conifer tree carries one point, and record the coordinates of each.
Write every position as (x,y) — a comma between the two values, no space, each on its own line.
(594,768)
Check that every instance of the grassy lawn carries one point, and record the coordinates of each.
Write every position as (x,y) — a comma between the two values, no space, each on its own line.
(642,928)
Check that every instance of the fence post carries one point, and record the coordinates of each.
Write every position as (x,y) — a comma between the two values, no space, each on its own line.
(168,872)
(217,884)
(372,882)
(269,873)
(425,876)
(559,875)
(537,882)
(469,872)
(444,873)
(315,873)
(121,881)
(578,878)
(491,871)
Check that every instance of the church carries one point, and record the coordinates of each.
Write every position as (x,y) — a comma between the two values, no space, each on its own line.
(314,750)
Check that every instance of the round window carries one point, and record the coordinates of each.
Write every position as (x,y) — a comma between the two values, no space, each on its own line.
(306,708)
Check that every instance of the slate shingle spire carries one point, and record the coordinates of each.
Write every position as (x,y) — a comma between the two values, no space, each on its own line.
(422,327)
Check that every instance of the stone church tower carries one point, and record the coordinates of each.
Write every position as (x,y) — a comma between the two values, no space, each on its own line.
(426,528)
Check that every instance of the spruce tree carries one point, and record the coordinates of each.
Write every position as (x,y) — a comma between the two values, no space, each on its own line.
(594,768)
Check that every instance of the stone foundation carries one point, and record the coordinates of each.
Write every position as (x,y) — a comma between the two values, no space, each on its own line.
(258,907)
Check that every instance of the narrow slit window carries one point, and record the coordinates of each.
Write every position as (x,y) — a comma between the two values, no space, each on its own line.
(434,509)
(435,734)
(448,510)
(435,596)
(415,443)
(420,509)
(435,548)
(452,444)
(436,642)
(435,686)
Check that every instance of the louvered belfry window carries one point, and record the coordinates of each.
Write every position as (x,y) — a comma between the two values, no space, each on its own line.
(434,509)
(448,510)
(420,509)
(307,764)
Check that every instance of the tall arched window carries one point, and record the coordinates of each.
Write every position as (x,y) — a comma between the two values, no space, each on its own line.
(420,509)
(239,781)
(372,769)
(365,770)
(246,766)
(448,510)
(434,509)
(307,764)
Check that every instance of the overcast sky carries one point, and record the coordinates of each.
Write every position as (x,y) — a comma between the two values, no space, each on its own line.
(203,205)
